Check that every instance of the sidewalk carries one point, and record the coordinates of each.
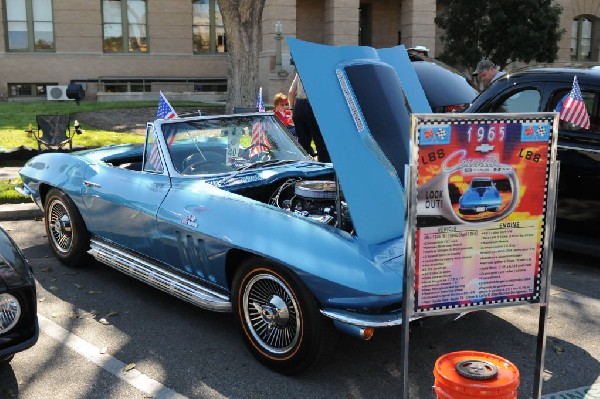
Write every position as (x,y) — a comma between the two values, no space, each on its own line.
(9,172)
(20,211)
(27,210)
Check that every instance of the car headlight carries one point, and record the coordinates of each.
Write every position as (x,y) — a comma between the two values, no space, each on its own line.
(10,312)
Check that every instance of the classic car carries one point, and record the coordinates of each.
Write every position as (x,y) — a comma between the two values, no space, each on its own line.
(446,89)
(18,303)
(229,213)
(480,196)
(540,89)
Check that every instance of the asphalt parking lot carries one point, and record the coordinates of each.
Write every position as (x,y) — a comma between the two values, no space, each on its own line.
(105,335)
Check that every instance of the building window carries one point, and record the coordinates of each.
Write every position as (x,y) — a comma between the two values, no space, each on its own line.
(125,24)
(208,29)
(126,86)
(28,89)
(29,25)
(581,39)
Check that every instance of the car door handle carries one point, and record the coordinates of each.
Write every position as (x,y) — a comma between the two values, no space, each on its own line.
(90,184)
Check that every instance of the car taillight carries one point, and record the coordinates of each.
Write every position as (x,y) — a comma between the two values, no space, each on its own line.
(455,108)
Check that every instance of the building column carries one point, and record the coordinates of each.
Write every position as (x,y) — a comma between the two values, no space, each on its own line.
(283,11)
(417,26)
(341,22)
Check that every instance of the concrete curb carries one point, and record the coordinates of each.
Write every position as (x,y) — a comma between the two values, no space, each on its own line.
(20,211)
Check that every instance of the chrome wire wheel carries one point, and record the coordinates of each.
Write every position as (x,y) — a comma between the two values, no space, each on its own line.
(271,313)
(279,318)
(59,226)
(65,229)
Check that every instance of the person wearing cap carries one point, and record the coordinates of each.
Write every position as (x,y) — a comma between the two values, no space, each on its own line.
(486,71)
(420,51)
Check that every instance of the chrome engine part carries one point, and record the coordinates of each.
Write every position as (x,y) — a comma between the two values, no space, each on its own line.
(314,199)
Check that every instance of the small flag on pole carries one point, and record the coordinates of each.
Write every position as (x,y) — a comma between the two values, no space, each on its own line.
(260,142)
(573,108)
(165,111)
(259,103)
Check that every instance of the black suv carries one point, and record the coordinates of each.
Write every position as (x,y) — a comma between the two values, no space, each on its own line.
(540,90)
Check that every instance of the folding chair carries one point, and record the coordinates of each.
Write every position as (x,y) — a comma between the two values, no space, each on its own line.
(53,131)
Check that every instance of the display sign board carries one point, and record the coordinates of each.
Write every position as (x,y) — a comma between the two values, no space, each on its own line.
(482,212)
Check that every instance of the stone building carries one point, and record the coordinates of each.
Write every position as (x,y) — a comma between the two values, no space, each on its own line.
(131,49)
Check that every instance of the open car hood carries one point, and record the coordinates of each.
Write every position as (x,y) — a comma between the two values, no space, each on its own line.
(360,97)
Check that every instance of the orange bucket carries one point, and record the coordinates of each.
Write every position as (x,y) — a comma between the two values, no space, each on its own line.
(470,374)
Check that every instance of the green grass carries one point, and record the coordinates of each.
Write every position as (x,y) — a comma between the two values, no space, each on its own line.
(8,194)
(13,138)
(16,118)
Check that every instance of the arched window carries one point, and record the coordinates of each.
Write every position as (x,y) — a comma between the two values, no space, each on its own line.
(582,36)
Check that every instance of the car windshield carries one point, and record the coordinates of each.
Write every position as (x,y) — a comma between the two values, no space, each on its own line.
(226,144)
(481,183)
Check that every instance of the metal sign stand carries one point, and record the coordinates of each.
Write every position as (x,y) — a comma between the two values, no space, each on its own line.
(480,160)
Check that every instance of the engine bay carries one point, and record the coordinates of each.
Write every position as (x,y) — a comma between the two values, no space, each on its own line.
(319,200)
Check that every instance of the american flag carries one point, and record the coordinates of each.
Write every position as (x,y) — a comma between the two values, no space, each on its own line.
(165,111)
(573,109)
(260,105)
(259,143)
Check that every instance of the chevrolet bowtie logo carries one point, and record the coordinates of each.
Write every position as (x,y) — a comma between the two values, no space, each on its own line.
(484,148)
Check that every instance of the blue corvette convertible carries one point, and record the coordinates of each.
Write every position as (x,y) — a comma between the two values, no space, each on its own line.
(481,196)
(230,214)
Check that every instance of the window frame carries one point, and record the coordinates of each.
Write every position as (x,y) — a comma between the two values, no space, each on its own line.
(126,25)
(152,144)
(213,36)
(30,23)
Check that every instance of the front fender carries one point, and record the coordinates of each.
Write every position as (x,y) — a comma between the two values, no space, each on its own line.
(61,170)
(339,269)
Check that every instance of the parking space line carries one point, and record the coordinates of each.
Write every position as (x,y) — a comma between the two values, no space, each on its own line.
(114,366)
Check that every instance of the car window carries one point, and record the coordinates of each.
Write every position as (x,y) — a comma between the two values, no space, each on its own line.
(481,183)
(592,104)
(523,101)
(222,145)
(152,159)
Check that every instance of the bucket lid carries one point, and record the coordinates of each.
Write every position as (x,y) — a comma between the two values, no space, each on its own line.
(476,372)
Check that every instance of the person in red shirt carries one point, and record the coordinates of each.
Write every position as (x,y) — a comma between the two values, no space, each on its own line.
(281,104)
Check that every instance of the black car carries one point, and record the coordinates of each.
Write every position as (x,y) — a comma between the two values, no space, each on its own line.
(445,88)
(18,304)
(541,89)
